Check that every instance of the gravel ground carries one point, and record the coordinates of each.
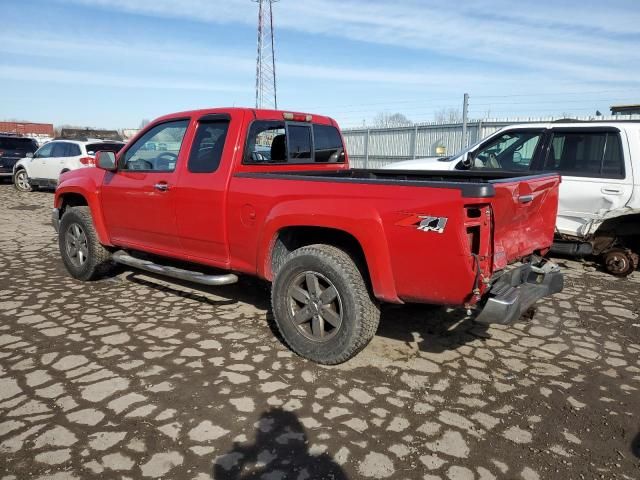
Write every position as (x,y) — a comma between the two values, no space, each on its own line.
(136,377)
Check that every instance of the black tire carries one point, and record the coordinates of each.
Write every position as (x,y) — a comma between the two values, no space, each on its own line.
(353,309)
(82,254)
(21,181)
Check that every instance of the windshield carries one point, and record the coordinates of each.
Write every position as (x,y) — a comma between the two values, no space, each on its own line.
(459,154)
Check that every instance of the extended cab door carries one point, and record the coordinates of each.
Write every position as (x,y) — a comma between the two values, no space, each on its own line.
(138,200)
(200,197)
(596,175)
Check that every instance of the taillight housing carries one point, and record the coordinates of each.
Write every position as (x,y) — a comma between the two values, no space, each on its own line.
(89,161)
(473,236)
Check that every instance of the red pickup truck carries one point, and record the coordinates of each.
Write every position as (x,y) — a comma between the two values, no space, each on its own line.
(208,194)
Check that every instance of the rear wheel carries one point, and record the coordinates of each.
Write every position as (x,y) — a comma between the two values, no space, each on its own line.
(620,262)
(82,254)
(21,181)
(322,306)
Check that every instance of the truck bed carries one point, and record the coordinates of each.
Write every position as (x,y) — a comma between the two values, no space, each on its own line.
(516,213)
(473,184)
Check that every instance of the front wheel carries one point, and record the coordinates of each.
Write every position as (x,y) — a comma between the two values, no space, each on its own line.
(82,254)
(322,306)
(21,181)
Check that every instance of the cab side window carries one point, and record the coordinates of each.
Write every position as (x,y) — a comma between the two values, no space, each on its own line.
(206,151)
(157,150)
(586,154)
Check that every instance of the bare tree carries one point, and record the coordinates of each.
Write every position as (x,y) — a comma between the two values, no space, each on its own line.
(448,115)
(383,119)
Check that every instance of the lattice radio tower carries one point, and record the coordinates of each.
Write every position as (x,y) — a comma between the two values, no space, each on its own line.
(266,96)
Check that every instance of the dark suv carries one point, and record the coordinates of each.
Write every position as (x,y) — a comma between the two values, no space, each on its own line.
(12,149)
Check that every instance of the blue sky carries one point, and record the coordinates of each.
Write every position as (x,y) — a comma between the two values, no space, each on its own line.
(111,63)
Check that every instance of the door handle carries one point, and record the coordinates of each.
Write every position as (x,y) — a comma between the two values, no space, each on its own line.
(611,191)
(163,187)
(525,198)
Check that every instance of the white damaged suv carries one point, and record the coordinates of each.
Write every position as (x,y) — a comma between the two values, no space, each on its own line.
(44,167)
(599,204)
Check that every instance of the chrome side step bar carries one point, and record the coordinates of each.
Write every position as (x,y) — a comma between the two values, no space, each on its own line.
(179,273)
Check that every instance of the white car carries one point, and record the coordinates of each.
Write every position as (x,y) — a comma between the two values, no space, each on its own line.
(599,204)
(44,167)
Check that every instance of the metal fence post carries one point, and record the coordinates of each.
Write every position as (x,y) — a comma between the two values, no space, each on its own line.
(415,142)
(366,149)
(465,120)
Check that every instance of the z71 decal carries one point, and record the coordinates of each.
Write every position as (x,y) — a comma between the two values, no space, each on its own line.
(426,223)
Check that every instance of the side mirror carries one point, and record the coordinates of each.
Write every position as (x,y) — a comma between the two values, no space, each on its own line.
(29,154)
(467,160)
(106,160)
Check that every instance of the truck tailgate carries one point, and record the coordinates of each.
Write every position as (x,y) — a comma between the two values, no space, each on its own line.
(524,216)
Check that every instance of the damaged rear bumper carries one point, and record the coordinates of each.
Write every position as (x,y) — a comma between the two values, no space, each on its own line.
(516,290)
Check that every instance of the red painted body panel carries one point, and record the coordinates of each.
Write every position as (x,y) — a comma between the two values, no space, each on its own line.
(87,183)
(517,224)
(231,221)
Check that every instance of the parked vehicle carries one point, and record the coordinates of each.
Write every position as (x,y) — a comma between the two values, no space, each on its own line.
(599,207)
(12,149)
(44,167)
(334,242)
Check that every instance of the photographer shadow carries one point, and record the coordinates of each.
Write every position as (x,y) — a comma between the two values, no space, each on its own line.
(431,328)
(280,450)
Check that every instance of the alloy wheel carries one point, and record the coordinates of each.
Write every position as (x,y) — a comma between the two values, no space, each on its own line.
(77,245)
(316,306)
(22,181)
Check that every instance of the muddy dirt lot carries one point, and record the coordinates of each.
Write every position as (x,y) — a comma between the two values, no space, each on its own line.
(134,377)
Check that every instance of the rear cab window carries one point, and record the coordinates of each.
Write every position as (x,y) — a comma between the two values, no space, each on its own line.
(279,142)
